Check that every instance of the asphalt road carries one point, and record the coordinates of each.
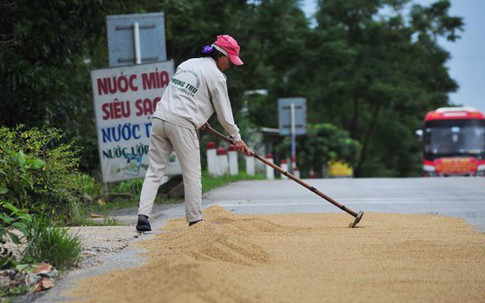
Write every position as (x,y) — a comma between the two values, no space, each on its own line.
(461,197)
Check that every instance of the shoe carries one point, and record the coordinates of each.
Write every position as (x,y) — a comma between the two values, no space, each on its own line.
(143,225)
(195,222)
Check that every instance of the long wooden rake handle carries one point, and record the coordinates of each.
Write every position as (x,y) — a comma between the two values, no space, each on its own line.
(358,216)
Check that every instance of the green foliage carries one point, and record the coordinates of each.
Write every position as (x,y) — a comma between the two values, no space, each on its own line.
(16,180)
(322,143)
(44,79)
(89,186)
(128,186)
(16,291)
(209,182)
(51,244)
(381,75)
(80,214)
(17,175)
(359,69)
(40,171)
(11,219)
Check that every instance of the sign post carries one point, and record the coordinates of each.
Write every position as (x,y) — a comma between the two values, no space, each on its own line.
(292,121)
(293,137)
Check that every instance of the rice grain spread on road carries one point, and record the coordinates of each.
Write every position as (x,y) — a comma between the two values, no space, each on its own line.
(301,258)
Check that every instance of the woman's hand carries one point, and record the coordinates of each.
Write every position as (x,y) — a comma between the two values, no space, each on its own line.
(242,147)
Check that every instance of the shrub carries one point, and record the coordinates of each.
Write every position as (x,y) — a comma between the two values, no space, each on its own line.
(11,219)
(87,185)
(39,170)
(322,143)
(51,244)
(17,175)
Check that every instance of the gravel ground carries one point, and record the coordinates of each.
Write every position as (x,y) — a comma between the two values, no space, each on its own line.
(98,241)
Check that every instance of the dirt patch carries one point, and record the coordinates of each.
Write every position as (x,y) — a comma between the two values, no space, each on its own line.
(98,241)
(302,258)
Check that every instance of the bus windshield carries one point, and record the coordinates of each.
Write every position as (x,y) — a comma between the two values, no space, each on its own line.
(447,138)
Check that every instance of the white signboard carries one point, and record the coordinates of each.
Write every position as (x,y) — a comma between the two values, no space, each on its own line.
(125,99)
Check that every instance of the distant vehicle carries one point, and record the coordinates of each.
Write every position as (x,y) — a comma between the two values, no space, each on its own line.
(454,142)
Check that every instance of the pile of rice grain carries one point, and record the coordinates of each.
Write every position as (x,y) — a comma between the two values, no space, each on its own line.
(302,258)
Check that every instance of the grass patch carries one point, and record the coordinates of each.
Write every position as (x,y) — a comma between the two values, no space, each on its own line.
(13,292)
(51,244)
(102,206)
(81,215)
(209,183)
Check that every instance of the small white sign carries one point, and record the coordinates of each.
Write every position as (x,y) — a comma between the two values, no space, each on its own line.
(125,99)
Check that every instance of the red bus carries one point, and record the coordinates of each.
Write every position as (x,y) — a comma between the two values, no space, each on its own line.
(454,142)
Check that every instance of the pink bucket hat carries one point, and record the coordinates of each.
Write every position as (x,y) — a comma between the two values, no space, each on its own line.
(230,47)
